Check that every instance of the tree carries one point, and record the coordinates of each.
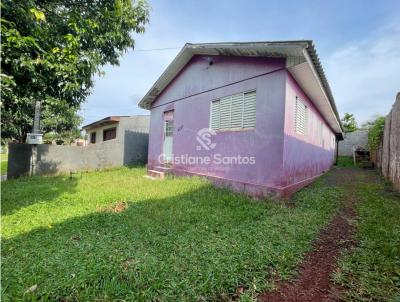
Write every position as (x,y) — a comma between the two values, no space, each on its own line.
(50,52)
(349,122)
(375,129)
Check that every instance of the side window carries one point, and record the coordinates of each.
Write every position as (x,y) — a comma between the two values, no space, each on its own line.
(301,117)
(93,137)
(110,133)
(320,134)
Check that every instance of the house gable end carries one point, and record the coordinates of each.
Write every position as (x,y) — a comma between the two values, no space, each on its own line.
(204,73)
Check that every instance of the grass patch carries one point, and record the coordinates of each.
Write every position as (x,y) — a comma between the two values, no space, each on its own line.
(371,272)
(180,239)
(3,163)
(344,161)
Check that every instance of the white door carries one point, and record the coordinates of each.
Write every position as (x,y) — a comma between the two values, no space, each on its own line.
(168,140)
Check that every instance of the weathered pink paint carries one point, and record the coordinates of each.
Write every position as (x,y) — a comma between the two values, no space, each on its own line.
(304,155)
(284,161)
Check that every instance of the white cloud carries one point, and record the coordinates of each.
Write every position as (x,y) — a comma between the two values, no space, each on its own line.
(122,87)
(365,74)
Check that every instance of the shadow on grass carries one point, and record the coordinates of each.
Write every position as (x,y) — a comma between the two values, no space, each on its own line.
(200,244)
(25,191)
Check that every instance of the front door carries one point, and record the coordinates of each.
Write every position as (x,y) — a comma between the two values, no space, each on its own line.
(168,136)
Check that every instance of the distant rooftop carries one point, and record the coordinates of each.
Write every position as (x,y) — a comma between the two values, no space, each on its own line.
(105,121)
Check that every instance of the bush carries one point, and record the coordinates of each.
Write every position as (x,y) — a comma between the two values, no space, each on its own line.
(375,133)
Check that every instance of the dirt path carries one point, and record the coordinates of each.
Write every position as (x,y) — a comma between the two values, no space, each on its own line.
(313,282)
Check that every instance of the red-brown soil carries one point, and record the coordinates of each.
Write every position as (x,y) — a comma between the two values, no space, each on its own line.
(313,282)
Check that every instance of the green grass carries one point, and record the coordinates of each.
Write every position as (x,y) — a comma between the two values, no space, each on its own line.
(3,163)
(180,239)
(372,271)
(344,161)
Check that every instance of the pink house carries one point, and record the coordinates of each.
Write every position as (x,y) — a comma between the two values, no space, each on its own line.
(257,117)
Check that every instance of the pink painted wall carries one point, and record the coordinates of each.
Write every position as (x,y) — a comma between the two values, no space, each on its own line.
(304,155)
(192,112)
(282,156)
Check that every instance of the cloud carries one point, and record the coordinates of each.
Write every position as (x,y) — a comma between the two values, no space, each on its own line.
(123,86)
(365,74)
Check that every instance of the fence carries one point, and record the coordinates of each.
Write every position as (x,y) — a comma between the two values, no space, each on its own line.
(356,139)
(388,154)
(24,159)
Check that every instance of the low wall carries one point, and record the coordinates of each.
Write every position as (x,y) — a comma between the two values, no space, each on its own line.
(19,160)
(358,138)
(55,159)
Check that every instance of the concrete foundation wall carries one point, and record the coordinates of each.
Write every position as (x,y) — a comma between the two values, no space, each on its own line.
(357,138)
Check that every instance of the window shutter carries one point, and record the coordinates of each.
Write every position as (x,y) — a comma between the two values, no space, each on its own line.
(225,113)
(249,110)
(236,110)
(215,115)
(320,133)
(301,117)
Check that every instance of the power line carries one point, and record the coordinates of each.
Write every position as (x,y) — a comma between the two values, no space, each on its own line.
(157,49)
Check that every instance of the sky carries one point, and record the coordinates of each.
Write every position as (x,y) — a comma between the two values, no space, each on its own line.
(358,43)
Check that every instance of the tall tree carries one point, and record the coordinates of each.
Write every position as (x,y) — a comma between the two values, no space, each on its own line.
(52,49)
(349,122)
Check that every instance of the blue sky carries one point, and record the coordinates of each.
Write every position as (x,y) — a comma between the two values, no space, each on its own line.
(358,43)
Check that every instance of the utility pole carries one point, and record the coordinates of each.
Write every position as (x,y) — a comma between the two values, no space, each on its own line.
(35,138)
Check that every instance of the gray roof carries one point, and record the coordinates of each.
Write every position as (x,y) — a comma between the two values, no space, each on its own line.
(303,49)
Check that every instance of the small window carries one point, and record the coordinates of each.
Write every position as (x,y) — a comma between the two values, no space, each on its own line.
(110,133)
(236,111)
(93,137)
(301,117)
(169,128)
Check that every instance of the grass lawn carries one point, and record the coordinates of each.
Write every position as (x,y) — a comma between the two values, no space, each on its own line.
(372,271)
(3,163)
(347,162)
(180,239)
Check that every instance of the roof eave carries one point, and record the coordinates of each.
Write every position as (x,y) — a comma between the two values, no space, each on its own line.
(228,48)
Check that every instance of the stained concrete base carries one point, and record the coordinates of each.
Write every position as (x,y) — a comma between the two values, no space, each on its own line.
(253,190)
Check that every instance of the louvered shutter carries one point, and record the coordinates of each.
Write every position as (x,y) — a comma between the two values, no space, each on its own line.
(301,117)
(215,115)
(320,138)
(249,110)
(225,112)
(236,110)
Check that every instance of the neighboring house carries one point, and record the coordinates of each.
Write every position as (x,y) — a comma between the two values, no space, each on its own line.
(353,140)
(258,117)
(127,134)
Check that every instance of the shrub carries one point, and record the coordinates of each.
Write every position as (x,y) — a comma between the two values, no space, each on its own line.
(375,133)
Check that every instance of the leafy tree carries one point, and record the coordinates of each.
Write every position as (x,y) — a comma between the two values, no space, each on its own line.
(50,52)
(375,132)
(349,122)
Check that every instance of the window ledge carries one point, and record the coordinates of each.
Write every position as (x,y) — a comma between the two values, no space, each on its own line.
(234,130)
